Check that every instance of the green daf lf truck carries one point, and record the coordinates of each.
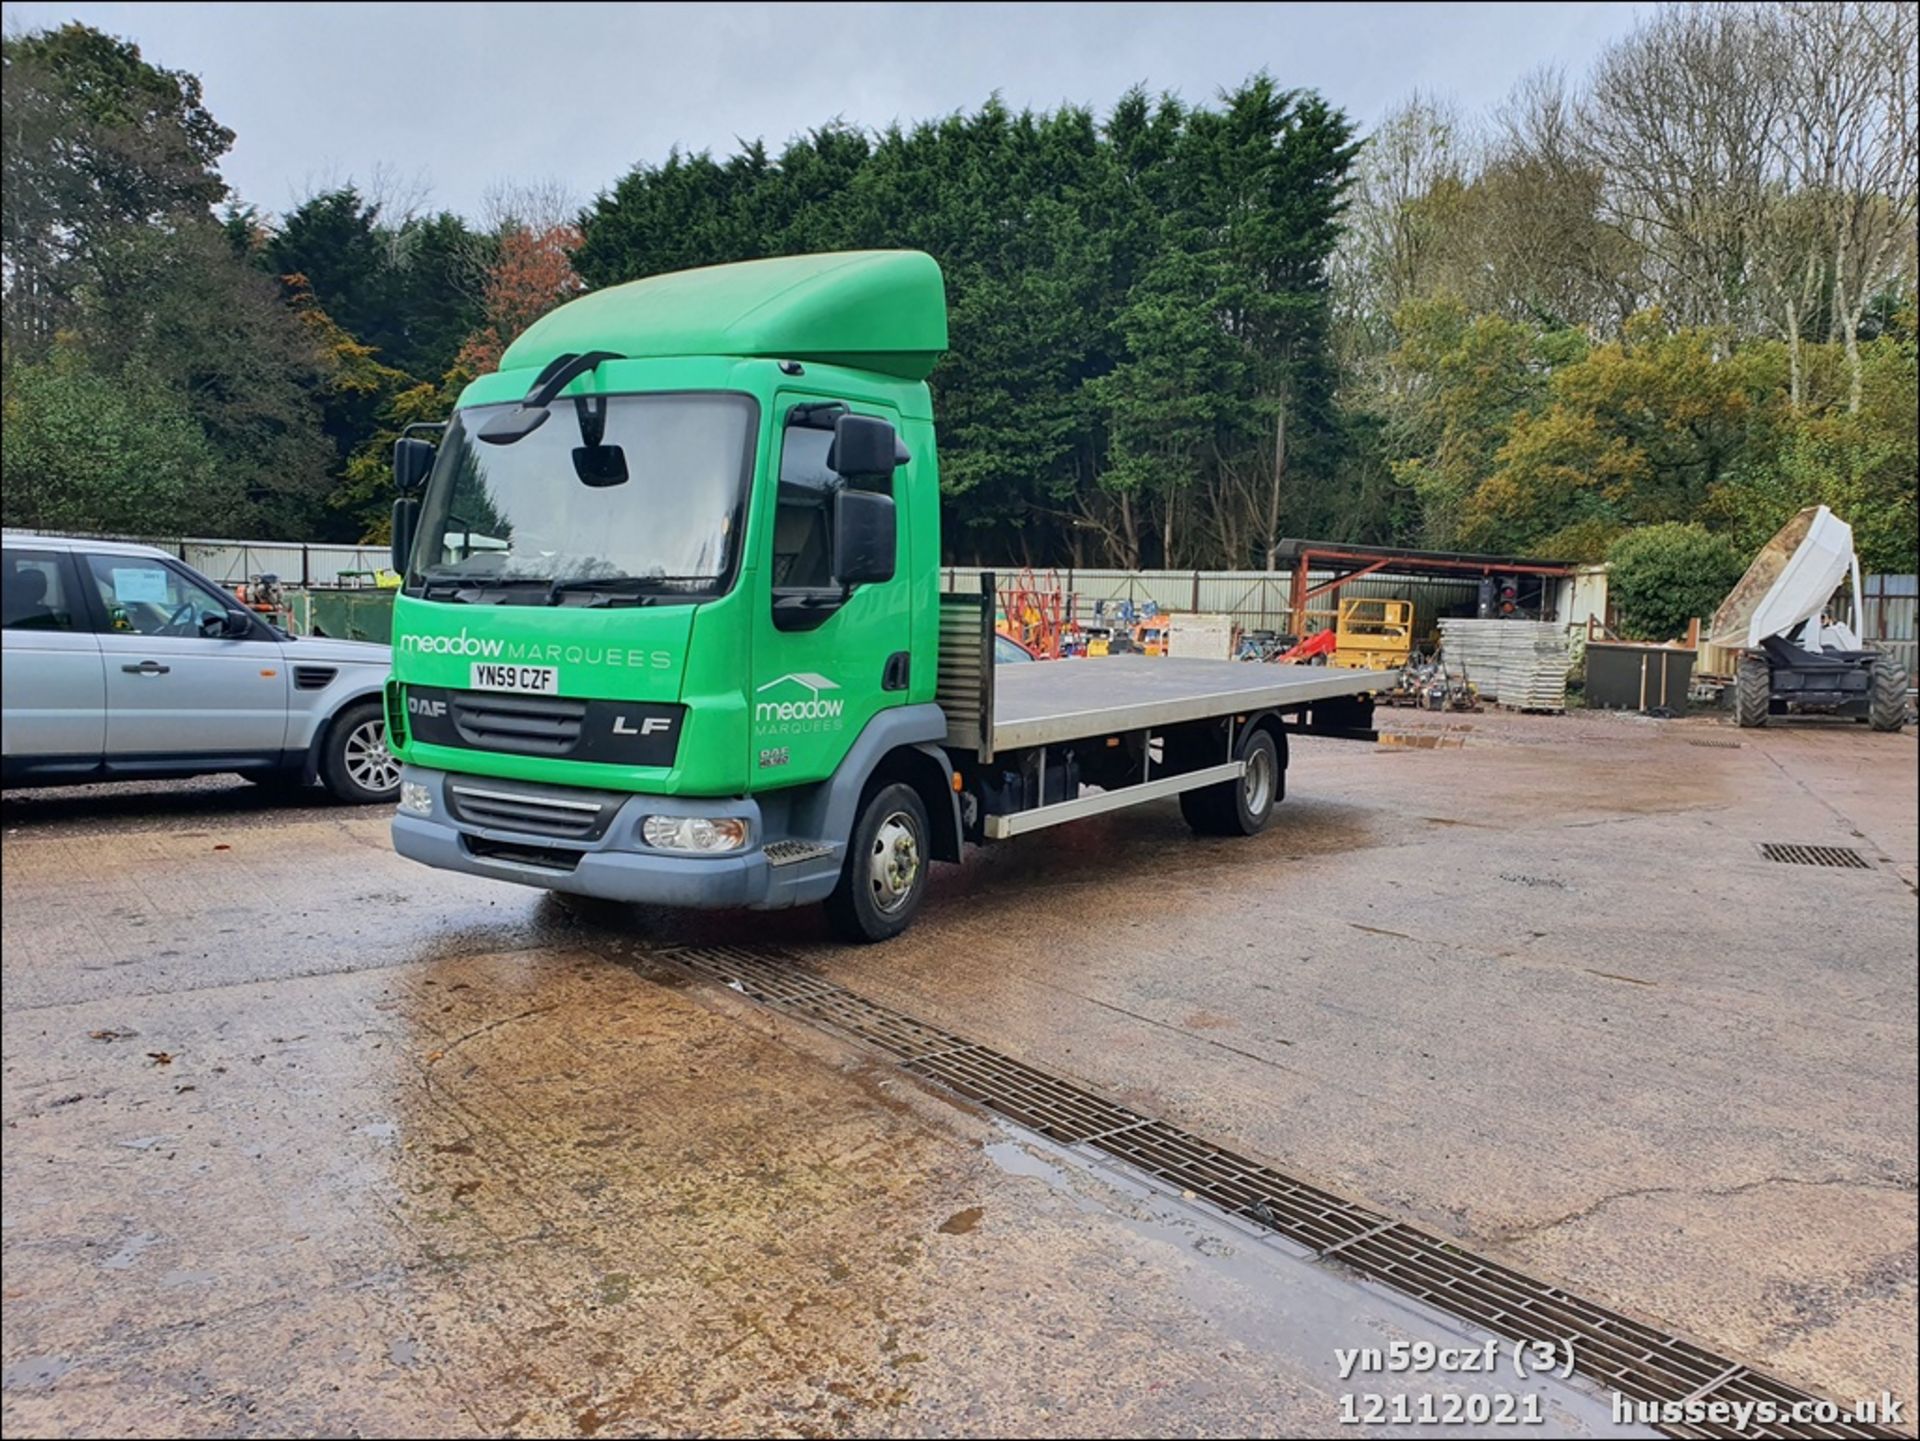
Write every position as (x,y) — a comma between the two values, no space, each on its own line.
(671,629)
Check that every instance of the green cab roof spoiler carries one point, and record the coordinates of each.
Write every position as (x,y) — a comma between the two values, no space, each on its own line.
(879,310)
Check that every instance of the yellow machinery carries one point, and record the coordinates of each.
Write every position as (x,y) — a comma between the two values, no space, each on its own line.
(1373,634)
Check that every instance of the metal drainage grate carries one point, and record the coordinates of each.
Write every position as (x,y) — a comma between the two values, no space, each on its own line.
(1723,745)
(1844,857)
(1639,1361)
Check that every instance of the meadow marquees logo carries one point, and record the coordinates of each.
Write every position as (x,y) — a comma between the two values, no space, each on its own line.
(805,706)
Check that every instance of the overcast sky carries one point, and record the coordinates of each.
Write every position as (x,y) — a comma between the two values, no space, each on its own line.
(457,97)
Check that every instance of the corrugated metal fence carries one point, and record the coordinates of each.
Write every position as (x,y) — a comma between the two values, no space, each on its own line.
(1258,600)
(1890,601)
(232,561)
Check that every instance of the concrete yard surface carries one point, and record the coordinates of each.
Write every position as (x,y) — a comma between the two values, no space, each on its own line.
(300,1137)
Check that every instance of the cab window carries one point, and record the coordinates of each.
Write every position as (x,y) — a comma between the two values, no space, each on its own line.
(34,593)
(802,553)
(142,596)
(803,515)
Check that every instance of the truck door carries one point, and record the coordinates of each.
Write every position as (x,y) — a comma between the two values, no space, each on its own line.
(825,660)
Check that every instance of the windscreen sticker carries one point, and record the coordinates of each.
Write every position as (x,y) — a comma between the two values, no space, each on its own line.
(145,586)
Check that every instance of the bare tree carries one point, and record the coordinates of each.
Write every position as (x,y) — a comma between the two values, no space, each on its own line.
(1847,147)
(1545,253)
(1410,178)
(538,206)
(1675,117)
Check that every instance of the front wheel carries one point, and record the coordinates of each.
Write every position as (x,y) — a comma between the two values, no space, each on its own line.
(1239,807)
(355,763)
(1887,699)
(1752,692)
(884,879)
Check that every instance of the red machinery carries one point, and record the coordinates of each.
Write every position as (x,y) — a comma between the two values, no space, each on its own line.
(1036,613)
(1319,645)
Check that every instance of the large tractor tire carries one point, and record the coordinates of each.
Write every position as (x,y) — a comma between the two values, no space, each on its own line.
(1887,697)
(1752,691)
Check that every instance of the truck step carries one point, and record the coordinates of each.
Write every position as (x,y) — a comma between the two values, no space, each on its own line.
(787,853)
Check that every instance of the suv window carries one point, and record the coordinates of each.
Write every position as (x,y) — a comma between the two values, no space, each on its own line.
(145,596)
(36,595)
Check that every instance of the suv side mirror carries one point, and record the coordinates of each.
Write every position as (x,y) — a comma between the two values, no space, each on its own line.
(232,625)
(865,536)
(864,447)
(412,464)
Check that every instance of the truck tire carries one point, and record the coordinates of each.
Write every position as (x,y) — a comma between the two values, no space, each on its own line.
(1887,697)
(355,764)
(1752,692)
(1238,807)
(884,879)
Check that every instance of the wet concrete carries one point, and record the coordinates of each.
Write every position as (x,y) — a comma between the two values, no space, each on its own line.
(299,1137)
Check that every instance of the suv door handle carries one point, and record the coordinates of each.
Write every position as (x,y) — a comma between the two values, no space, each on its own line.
(147,667)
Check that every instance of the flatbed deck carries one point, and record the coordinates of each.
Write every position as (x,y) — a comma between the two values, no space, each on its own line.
(1053,701)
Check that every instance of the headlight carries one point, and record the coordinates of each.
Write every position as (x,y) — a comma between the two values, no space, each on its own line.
(694,833)
(415,799)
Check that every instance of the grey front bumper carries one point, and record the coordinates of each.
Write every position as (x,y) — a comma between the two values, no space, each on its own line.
(617,866)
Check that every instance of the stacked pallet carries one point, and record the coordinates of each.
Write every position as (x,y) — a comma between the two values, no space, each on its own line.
(1522,664)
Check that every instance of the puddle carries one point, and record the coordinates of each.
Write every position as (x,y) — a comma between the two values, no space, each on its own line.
(32,1371)
(1424,742)
(130,1251)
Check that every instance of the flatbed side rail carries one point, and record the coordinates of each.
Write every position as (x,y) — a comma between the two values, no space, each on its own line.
(964,687)
(1003,827)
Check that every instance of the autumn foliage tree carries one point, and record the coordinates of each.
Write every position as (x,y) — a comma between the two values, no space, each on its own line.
(532,273)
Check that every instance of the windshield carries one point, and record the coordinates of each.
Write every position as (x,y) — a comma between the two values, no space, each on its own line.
(516,524)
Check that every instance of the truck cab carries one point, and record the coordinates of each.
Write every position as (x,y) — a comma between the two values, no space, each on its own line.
(671,586)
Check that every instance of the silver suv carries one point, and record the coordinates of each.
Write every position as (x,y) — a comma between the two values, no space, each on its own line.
(122,663)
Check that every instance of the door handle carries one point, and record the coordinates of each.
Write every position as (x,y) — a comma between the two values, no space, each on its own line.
(147,667)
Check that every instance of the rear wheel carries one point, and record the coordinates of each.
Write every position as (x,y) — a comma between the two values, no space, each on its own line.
(1243,806)
(1887,698)
(355,762)
(1752,692)
(884,879)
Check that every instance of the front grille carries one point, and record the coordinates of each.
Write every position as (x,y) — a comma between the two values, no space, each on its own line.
(575,816)
(314,677)
(534,725)
(546,858)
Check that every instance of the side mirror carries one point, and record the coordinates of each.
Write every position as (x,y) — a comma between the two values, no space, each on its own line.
(230,625)
(406,511)
(412,464)
(865,536)
(864,447)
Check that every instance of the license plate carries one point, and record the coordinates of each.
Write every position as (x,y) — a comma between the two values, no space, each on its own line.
(529,679)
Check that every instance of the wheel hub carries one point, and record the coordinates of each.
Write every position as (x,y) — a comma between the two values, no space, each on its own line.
(369,762)
(893,868)
(1257,783)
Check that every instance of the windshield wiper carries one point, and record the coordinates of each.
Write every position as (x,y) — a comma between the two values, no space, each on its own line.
(634,589)
(459,587)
